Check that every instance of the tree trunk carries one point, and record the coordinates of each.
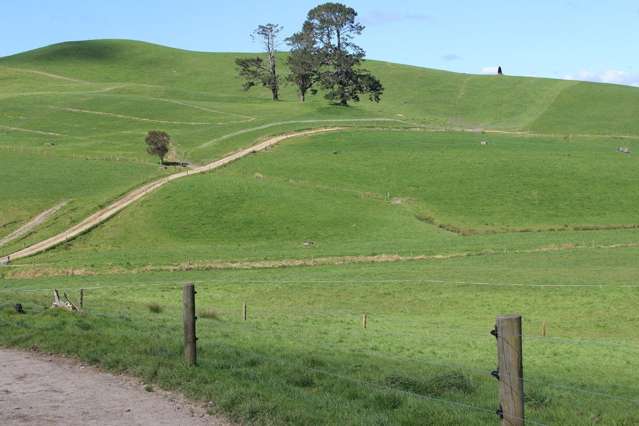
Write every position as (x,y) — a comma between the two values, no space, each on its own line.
(273,72)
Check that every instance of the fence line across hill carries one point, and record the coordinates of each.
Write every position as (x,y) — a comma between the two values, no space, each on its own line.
(576,340)
(483,373)
(377,333)
(378,385)
(358,382)
(337,281)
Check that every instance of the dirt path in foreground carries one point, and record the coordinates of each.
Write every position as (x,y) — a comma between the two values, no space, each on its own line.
(38,389)
(109,211)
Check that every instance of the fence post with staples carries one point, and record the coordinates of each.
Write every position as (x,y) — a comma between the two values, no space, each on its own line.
(510,372)
(190,350)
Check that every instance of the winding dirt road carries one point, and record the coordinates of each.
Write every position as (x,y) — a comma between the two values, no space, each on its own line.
(133,196)
(32,224)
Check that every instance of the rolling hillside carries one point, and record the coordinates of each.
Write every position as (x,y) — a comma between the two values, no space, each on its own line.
(456,199)
(96,99)
(76,108)
(428,96)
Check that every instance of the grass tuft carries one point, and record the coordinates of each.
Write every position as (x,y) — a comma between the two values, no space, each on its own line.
(536,398)
(154,308)
(434,386)
(209,313)
(301,380)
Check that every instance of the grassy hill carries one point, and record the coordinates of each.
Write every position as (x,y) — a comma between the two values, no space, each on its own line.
(428,96)
(96,99)
(541,220)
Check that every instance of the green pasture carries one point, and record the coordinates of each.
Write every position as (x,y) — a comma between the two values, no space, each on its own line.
(97,99)
(34,181)
(302,357)
(541,220)
(379,192)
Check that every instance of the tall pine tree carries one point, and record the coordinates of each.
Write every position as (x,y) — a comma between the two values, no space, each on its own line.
(303,60)
(334,27)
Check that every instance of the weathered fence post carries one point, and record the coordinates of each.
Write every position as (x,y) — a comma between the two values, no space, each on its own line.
(244,311)
(190,351)
(81,298)
(365,320)
(510,372)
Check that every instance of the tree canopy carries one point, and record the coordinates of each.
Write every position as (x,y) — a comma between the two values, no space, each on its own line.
(255,71)
(334,26)
(323,54)
(303,60)
(158,143)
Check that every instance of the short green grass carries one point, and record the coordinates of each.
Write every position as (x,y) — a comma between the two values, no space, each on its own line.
(549,202)
(302,356)
(97,99)
(380,192)
(36,181)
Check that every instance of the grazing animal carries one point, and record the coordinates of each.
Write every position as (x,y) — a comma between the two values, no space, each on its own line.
(483,143)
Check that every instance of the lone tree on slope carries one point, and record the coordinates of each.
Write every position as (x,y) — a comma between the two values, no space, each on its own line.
(158,143)
(334,26)
(253,70)
(303,60)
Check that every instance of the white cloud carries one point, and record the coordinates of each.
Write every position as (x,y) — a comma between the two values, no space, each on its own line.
(606,76)
(489,70)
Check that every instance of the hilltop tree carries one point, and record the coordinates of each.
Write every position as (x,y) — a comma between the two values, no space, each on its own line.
(158,143)
(303,60)
(334,27)
(255,71)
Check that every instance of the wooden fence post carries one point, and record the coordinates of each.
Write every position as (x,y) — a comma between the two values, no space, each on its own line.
(244,311)
(190,351)
(510,370)
(365,320)
(81,298)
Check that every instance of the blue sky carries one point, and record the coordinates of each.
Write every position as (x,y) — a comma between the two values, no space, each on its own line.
(589,40)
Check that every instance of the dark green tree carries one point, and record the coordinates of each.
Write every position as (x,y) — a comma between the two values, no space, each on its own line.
(158,143)
(303,60)
(255,71)
(334,27)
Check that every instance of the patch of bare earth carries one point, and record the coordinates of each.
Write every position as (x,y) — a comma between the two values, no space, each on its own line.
(37,389)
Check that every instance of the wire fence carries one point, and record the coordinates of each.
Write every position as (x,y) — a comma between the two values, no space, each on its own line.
(306,312)
(128,319)
(363,281)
